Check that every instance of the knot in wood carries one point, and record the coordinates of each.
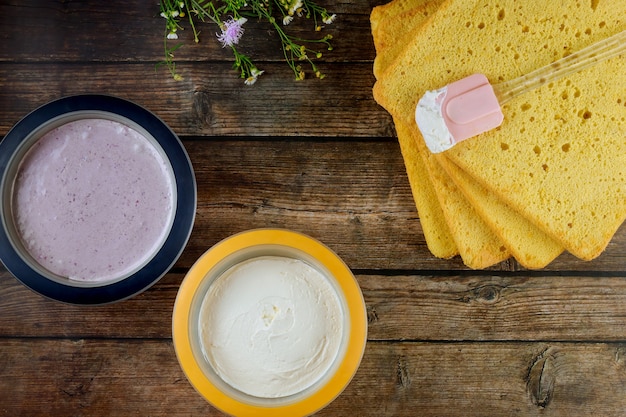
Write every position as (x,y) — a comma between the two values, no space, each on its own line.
(403,376)
(541,378)
(488,294)
(484,294)
(372,314)
(202,108)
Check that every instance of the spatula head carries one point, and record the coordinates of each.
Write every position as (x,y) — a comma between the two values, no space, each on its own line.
(458,111)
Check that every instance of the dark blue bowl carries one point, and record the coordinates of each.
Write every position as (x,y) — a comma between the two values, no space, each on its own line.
(26,132)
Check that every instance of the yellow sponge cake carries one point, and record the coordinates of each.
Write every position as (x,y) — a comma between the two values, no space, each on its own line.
(479,248)
(559,158)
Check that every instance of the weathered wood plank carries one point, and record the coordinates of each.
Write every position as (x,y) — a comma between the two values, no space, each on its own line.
(119,30)
(317,157)
(212,100)
(352,195)
(548,308)
(294,184)
(27,314)
(104,377)
(481,379)
(409,307)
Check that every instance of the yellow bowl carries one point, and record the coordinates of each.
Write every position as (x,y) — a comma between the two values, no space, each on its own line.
(247,246)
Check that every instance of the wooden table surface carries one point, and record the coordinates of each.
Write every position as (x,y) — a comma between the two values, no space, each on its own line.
(318,157)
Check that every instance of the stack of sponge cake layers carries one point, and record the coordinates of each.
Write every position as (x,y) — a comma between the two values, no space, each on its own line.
(553,176)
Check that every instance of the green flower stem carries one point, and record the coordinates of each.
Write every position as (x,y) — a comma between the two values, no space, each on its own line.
(295,50)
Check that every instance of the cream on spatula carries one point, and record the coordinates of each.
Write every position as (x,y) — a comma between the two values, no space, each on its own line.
(471,106)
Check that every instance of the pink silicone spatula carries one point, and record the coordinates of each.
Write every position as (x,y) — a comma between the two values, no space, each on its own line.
(471,106)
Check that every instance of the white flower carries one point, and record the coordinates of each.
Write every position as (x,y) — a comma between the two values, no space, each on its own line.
(287,19)
(295,7)
(172,35)
(329,19)
(254,74)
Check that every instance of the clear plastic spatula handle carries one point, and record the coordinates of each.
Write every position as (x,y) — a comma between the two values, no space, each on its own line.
(575,62)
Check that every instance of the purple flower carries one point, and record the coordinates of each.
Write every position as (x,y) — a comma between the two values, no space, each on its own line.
(231,31)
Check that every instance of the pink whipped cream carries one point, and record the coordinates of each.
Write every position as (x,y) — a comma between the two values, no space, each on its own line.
(93,200)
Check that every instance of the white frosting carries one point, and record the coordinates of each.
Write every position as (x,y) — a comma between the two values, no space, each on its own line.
(271,326)
(431,122)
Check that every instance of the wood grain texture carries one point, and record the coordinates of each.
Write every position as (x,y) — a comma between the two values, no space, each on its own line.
(318,157)
(354,196)
(401,307)
(85,377)
(212,100)
(71,31)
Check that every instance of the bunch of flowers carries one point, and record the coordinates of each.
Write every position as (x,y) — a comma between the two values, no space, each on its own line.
(230,17)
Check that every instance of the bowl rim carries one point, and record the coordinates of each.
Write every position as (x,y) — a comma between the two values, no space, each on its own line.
(185,205)
(343,279)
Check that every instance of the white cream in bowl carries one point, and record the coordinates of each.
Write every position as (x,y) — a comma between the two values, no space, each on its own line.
(271,326)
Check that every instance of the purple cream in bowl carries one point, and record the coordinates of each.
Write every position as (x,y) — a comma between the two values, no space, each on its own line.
(93,200)
(98,199)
